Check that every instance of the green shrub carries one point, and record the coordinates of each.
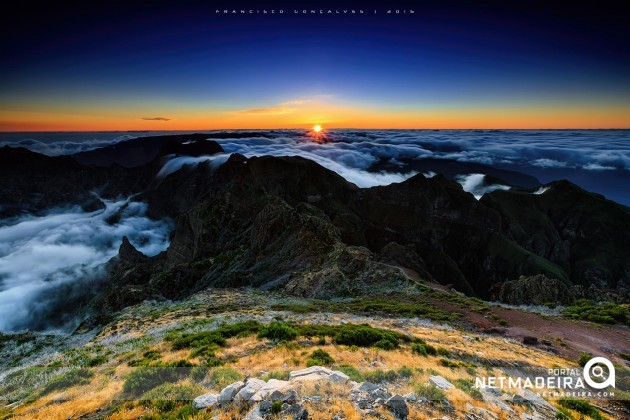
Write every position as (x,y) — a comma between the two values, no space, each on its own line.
(385,345)
(467,386)
(365,336)
(167,397)
(352,372)
(224,376)
(319,358)
(423,349)
(419,349)
(143,379)
(604,313)
(584,358)
(442,352)
(581,406)
(67,380)
(96,361)
(447,363)
(278,331)
(276,407)
(283,376)
(378,376)
(430,392)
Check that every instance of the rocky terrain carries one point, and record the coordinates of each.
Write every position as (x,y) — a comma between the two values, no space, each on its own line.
(277,265)
(233,354)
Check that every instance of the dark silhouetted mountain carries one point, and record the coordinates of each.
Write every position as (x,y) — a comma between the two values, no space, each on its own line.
(451,168)
(288,223)
(143,150)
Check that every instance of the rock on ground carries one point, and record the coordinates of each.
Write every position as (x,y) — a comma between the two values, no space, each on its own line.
(229,392)
(398,407)
(440,382)
(252,385)
(206,401)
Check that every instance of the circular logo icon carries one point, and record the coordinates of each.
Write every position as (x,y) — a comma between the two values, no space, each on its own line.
(593,370)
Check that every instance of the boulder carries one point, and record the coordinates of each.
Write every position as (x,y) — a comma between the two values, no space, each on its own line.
(269,388)
(398,407)
(534,290)
(229,392)
(206,401)
(252,385)
(411,397)
(530,341)
(440,382)
(338,377)
(493,396)
(365,387)
(313,373)
(317,373)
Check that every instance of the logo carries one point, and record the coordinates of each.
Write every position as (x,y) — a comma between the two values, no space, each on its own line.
(592,369)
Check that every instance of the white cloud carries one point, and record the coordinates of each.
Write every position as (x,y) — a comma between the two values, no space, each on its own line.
(39,256)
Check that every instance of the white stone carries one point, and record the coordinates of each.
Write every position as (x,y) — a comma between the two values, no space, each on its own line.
(206,401)
(251,387)
(313,373)
(440,382)
(267,389)
(229,392)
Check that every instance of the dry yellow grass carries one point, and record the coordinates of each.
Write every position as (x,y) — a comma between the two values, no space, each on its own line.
(251,356)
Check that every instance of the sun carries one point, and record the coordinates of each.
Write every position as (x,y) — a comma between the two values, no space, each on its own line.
(317,128)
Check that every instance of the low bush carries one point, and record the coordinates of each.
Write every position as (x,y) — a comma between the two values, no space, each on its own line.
(604,313)
(283,376)
(167,397)
(278,331)
(319,358)
(581,406)
(224,376)
(96,361)
(468,387)
(67,380)
(352,372)
(449,364)
(430,392)
(379,376)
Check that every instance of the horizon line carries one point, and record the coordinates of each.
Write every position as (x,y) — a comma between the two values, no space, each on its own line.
(307,129)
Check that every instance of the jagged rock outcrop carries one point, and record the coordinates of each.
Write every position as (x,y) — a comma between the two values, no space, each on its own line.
(288,223)
(534,290)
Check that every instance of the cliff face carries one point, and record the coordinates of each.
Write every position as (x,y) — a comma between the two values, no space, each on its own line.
(287,222)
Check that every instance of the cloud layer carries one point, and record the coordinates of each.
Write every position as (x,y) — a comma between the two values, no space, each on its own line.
(48,260)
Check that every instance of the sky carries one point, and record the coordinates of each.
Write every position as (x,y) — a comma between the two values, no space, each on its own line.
(159,66)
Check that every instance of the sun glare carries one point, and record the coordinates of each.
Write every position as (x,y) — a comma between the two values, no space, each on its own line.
(317,128)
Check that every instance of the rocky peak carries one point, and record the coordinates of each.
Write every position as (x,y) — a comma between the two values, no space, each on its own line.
(128,253)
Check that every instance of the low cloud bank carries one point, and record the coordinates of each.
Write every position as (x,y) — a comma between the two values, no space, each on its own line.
(51,261)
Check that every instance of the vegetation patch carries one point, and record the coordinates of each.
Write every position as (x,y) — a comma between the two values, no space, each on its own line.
(167,397)
(468,387)
(379,376)
(224,376)
(421,348)
(604,313)
(278,331)
(430,392)
(282,376)
(390,304)
(319,358)
(352,372)
(67,380)
(145,378)
(581,406)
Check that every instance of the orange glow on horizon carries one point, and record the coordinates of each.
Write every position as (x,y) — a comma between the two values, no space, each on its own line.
(333,115)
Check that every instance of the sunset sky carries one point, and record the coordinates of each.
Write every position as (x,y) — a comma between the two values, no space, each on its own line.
(162,67)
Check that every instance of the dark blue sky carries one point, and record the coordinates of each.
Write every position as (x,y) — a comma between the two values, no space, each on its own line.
(185,62)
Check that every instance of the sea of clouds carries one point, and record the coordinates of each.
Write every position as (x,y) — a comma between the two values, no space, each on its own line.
(591,150)
(49,262)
